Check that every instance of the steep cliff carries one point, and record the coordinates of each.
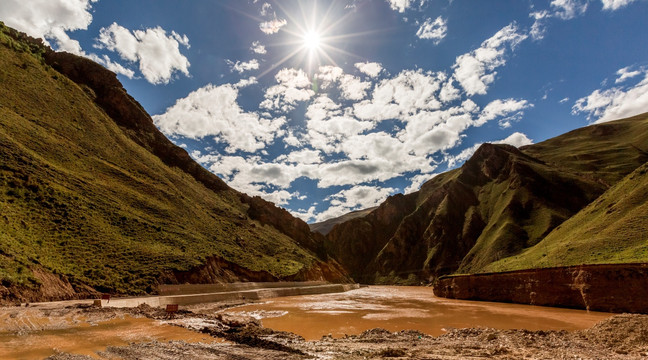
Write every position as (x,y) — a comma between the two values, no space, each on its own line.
(94,196)
(500,203)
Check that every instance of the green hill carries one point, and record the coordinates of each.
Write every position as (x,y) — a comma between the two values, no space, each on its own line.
(91,194)
(612,229)
(503,210)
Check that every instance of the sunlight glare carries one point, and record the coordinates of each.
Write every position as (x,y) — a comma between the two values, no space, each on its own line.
(312,40)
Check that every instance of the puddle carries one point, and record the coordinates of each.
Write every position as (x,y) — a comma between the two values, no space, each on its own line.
(87,338)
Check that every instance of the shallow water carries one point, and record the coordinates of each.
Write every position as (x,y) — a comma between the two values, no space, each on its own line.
(80,337)
(400,308)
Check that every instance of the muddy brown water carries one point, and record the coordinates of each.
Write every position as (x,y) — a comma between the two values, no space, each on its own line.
(37,338)
(400,308)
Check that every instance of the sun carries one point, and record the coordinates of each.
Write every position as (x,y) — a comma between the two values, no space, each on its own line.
(312,40)
(313,37)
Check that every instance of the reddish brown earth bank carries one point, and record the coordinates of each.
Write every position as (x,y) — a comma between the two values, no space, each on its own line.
(611,288)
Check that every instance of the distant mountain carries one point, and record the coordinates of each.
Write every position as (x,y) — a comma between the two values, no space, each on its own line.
(503,210)
(325,227)
(94,198)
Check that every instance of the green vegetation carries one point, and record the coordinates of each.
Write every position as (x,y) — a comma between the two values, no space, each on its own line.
(612,229)
(80,198)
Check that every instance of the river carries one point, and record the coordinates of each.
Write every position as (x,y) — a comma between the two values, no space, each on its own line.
(400,308)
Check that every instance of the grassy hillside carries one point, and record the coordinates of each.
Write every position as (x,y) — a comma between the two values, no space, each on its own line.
(606,152)
(612,229)
(80,198)
(503,210)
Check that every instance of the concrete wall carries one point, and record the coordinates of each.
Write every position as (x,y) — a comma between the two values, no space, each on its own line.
(612,288)
(257,291)
(185,289)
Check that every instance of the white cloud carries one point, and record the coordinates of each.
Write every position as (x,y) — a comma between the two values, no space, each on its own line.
(304,156)
(401,96)
(356,198)
(242,67)
(539,29)
(433,30)
(246,82)
(615,103)
(615,4)
(416,181)
(569,9)
(625,74)
(258,48)
(501,108)
(516,139)
(272,26)
(305,215)
(399,5)
(265,9)
(371,69)
(475,71)
(213,110)
(353,88)
(158,55)
(564,100)
(293,85)
(49,19)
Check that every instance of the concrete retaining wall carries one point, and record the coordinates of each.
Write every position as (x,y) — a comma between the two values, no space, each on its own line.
(186,289)
(612,288)
(260,292)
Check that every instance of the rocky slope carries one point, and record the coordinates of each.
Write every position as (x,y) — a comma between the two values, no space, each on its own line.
(94,198)
(500,203)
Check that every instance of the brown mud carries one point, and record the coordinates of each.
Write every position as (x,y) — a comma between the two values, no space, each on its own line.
(206,326)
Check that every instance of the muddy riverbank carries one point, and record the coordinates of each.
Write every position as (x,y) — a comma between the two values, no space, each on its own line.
(616,287)
(227,331)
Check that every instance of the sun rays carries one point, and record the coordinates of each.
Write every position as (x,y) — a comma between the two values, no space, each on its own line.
(314,37)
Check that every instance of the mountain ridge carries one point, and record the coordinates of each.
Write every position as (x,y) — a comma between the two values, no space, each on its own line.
(94,198)
(502,201)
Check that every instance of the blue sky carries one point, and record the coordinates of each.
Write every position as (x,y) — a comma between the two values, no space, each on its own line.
(326,107)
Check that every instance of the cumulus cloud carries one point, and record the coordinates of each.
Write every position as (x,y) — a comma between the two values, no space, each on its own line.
(371,69)
(356,198)
(434,30)
(272,26)
(242,67)
(615,103)
(516,139)
(213,111)
(475,71)
(356,129)
(615,4)
(157,53)
(509,109)
(258,48)
(293,85)
(399,5)
(416,181)
(49,19)
(402,5)
(403,95)
(569,9)
(246,82)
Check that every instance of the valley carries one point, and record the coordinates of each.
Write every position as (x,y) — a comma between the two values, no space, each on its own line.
(96,201)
